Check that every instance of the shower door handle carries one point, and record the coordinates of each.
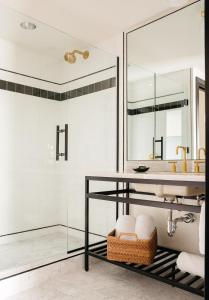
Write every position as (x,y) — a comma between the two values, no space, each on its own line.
(57,142)
(66,141)
(58,131)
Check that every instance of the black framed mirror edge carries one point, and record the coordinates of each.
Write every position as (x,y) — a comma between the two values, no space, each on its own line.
(125,82)
(207,148)
(199,85)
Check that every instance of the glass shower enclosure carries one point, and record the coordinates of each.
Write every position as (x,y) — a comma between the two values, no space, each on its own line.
(57,124)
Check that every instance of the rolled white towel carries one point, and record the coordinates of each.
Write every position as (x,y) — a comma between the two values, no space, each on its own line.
(144,227)
(191,263)
(202,230)
(125,224)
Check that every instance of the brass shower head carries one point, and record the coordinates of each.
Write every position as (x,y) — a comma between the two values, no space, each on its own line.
(71,58)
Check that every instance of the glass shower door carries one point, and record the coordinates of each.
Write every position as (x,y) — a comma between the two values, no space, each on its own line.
(92,148)
(40,90)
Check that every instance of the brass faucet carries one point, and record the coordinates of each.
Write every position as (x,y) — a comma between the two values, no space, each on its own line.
(196,165)
(184,163)
(199,152)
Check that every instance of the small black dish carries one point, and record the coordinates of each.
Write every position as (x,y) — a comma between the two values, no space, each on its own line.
(141,169)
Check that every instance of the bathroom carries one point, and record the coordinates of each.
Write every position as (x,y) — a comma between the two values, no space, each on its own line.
(96,125)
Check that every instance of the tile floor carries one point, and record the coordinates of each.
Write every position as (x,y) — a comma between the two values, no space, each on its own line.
(102,282)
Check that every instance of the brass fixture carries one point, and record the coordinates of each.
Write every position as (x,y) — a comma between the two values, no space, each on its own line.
(184,162)
(173,166)
(199,152)
(151,156)
(71,58)
(196,165)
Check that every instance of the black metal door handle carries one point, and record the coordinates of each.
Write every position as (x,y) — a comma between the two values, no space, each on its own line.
(154,141)
(58,131)
(66,141)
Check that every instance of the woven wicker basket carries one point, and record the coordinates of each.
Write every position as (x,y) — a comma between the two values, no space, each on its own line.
(139,251)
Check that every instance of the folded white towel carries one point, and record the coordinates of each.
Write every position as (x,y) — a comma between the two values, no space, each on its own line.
(144,227)
(125,224)
(202,230)
(191,263)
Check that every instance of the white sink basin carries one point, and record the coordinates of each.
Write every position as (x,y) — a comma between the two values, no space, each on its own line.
(169,190)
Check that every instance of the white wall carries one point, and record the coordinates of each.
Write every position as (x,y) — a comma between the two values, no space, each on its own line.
(24,60)
(28,194)
(28,183)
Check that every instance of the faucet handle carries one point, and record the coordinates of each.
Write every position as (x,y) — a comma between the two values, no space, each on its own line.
(199,152)
(173,165)
(196,165)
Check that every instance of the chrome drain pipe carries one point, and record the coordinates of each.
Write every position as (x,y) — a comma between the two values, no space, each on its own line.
(172,223)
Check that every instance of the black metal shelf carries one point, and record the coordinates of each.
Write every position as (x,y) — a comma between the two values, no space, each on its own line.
(163,269)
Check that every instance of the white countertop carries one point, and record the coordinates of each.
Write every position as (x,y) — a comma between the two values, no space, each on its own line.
(196,177)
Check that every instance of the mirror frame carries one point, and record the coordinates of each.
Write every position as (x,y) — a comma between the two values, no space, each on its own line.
(199,85)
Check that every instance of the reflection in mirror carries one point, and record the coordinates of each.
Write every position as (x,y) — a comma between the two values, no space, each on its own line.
(141,113)
(165,107)
(172,108)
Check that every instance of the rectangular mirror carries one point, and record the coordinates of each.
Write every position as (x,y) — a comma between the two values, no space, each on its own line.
(165,86)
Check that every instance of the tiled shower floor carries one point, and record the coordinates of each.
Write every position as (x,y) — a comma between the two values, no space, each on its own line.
(38,249)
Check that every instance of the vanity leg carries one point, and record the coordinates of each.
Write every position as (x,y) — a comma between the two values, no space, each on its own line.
(86,225)
(127,204)
(117,204)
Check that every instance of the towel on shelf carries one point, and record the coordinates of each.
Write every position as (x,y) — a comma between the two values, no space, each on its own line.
(144,227)
(191,263)
(125,224)
(202,230)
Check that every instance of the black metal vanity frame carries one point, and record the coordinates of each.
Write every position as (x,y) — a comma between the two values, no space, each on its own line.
(164,266)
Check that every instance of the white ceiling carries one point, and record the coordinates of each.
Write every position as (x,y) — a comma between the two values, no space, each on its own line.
(43,40)
(92,21)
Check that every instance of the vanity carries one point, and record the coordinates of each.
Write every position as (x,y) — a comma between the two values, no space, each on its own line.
(164,132)
(164,266)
